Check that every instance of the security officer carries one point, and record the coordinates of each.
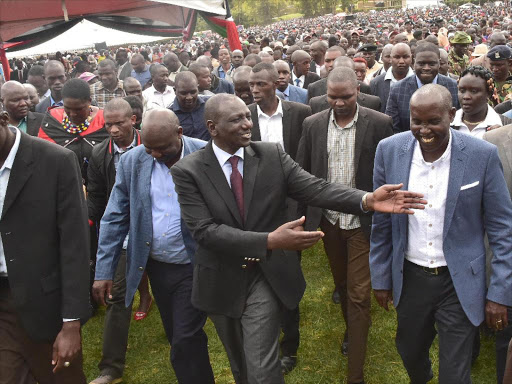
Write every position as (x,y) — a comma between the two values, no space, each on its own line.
(458,59)
(369,51)
(501,63)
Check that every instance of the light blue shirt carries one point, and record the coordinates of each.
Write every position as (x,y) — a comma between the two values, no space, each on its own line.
(167,245)
(143,76)
(54,103)
(420,84)
(5,173)
(508,114)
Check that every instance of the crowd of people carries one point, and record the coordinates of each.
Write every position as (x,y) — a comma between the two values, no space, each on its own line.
(204,172)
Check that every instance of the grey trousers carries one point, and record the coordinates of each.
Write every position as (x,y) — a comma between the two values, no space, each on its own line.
(252,341)
(117,325)
(429,305)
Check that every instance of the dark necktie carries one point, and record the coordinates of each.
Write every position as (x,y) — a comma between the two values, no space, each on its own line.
(237,185)
(20,76)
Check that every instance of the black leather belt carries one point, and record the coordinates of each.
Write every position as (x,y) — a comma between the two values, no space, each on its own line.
(431,271)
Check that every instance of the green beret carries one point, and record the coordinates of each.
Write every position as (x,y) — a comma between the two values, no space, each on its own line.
(460,38)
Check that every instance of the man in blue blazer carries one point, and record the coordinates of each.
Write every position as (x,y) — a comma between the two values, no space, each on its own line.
(426,68)
(144,205)
(285,90)
(432,264)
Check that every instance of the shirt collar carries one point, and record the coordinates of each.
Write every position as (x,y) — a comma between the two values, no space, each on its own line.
(9,161)
(53,102)
(420,84)
(223,156)
(168,89)
(132,145)
(390,76)
(279,110)
(492,118)
(352,123)
(119,85)
(24,120)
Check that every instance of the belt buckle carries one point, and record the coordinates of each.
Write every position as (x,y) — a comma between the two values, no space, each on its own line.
(428,270)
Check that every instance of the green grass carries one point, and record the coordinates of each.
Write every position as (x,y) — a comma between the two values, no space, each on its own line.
(320,360)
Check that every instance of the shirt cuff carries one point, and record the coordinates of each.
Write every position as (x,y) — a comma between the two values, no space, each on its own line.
(68,320)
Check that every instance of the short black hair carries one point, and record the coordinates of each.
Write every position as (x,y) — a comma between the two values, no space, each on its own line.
(76,89)
(135,102)
(266,67)
(425,46)
(36,70)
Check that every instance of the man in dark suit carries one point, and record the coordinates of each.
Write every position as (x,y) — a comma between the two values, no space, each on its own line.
(44,261)
(432,266)
(233,198)
(19,73)
(301,76)
(319,88)
(401,60)
(55,77)
(278,121)
(426,68)
(15,99)
(124,68)
(339,146)
(320,103)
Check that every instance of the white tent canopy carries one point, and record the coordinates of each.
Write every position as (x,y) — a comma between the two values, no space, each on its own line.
(83,36)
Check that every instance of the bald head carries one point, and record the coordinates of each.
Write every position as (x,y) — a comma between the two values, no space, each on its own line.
(172,62)
(342,74)
(14,97)
(430,93)
(206,61)
(161,136)
(185,77)
(300,55)
(118,105)
(387,49)
(217,104)
(344,61)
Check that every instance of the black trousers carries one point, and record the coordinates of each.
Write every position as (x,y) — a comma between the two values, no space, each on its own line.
(502,340)
(183,323)
(428,306)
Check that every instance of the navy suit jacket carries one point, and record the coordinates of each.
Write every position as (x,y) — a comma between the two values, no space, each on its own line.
(129,211)
(400,97)
(477,201)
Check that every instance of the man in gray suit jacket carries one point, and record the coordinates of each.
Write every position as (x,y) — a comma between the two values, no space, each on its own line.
(320,103)
(143,204)
(432,265)
(502,138)
(233,199)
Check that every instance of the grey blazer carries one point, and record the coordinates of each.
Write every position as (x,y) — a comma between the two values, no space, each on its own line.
(319,103)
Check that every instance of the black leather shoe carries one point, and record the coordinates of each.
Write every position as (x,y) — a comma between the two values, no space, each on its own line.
(288,363)
(344,345)
(361,382)
(336,297)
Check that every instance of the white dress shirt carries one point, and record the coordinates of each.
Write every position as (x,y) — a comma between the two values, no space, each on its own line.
(302,80)
(492,118)
(425,238)
(271,127)
(223,158)
(390,76)
(5,173)
(155,99)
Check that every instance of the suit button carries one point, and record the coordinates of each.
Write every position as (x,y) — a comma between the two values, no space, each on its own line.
(147,243)
(244,266)
(258,260)
(245,258)
(141,268)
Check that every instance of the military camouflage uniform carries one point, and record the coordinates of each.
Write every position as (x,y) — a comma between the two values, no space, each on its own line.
(457,64)
(505,92)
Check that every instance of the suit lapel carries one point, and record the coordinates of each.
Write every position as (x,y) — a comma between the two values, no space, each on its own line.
(214,172)
(458,163)
(321,135)
(507,145)
(287,122)
(144,169)
(255,132)
(404,167)
(361,128)
(21,171)
(251,162)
